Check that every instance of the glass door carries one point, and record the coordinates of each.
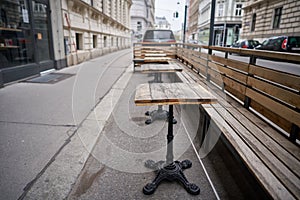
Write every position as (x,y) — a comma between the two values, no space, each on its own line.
(40,10)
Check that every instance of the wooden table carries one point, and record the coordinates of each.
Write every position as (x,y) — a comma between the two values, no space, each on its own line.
(158,69)
(171,94)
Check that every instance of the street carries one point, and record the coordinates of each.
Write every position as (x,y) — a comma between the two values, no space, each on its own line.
(281,66)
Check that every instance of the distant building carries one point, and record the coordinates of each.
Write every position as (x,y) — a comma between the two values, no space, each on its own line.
(142,17)
(228,21)
(265,18)
(193,15)
(162,23)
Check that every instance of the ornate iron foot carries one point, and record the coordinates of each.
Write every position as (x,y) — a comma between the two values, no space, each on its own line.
(171,172)
(158,115)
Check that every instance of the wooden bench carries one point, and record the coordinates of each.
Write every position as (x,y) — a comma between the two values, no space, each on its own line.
(258,115)
(153,53)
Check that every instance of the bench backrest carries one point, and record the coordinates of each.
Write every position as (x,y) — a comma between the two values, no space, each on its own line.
(146,49)
(273,95)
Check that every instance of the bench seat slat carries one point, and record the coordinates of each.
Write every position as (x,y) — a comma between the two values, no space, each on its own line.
(274,187)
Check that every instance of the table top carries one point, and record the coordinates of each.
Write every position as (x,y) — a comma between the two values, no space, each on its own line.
(146,68)
(172,93)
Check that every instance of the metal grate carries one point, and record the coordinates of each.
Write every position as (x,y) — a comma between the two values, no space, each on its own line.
(50,78)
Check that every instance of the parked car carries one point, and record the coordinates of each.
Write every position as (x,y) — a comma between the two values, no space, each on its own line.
(159,35)
(248,44)
(281,43)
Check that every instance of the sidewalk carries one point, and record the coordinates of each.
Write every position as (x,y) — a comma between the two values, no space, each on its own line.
(38,121)
(91,142)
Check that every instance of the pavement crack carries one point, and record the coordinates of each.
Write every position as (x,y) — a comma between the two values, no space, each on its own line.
(87,181)
(39,124)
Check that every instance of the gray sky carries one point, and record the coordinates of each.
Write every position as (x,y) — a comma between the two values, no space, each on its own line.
(167,8)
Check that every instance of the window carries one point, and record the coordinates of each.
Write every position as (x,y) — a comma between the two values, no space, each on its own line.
(277,17)
(79,41)
(253,22)
(238,10)
(139,26)
(105,41)
(95,41)
(221,9)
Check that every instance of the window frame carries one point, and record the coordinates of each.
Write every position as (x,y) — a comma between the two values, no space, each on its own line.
(277,17)
(253,22)
(238,10)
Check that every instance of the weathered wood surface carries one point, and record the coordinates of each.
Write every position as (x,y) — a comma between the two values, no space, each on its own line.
(172,93)
(150,68)
(157,59)
(272,159)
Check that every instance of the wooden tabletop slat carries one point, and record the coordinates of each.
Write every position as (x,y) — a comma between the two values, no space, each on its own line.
(172,93)
(146,68)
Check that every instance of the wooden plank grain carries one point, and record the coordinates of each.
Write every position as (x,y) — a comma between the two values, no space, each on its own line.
(278,168)
(270,182)
(276,107)
(282,78)
(287,96)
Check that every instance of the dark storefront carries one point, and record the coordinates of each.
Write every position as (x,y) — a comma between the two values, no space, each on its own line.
(25,39)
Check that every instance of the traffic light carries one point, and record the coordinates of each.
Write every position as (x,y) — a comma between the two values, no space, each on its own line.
(175,14)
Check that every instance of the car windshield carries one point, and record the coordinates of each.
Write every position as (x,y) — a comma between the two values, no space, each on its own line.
(159,34)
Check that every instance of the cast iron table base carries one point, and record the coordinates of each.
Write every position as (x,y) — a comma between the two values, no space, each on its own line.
(158,114)
(170,170)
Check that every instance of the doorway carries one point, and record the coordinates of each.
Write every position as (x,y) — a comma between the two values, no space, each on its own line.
(42,36)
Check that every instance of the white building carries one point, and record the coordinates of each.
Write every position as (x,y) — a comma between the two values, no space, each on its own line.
(228,21)
(94,27)
(162,23)
(142,17)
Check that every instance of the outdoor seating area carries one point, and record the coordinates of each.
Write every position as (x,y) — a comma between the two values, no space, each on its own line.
(257,112)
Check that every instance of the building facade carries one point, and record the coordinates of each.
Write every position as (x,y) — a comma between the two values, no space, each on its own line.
(38,35)
(228,21)
(142,18)
(95,27)
(193,15)
(162,23)
(267,18)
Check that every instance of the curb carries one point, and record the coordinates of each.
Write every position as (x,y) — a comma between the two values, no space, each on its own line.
(59,177)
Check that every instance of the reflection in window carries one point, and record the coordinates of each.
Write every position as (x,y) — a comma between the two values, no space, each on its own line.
(16,46)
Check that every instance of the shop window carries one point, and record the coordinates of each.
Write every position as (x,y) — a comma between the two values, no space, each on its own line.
(277,17)
(95,41)
(16,45)
(253,22)
(238,10)
(79,41)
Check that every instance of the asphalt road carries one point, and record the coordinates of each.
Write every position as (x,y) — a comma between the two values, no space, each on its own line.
(37,119)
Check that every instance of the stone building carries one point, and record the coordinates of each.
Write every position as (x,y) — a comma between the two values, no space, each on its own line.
(142,17)
(193,15)
(228,21)
(267,18)
(95,27)
(162,23)
(40,35)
